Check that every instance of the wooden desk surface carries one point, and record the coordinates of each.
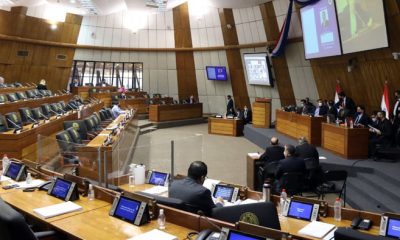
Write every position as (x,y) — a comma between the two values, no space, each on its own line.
(15,89)
(136,188)
(27,201)
(160,113)
(97,224)
(99,139)
(224,126)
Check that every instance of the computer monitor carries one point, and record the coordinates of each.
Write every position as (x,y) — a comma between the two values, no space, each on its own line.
(302,210)
(393,228)
(228,193)
(129,210)
(157,178)
(236,235)
(64,189)
(15,171)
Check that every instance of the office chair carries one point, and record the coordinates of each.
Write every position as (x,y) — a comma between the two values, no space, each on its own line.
(70,160)
(109,113)
(44,93)
(90,125)
(26,115)
(37,93)
(76,137)
(63,105)
(46,109)
(13,225)
(37,113)
(343,233)
(15,118)
(3,124)
(103,115)
(12,97)
(80,126)
(3,98)
(49,93)
(262,213)
(54,107)
(313,175)
(114,99)
(30,94)
(292,182)
(328,184)
(11,85)
(17,84)
(21,95)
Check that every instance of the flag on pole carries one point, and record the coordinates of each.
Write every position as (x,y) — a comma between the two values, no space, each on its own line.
(385,101)
(337,91)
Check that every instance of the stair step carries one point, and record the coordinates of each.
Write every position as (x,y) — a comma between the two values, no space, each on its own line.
(371,194)
(385,186)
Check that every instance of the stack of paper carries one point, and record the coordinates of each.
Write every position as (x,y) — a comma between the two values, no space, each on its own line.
(254,155)
(34,183)
(155,234)
(209,183)
(156,190)
(317,229)
(4,178)
(57,209)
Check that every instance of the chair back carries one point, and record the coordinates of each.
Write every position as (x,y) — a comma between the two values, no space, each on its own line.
(46,109)
(76,137)
(21,95)
(292,182)
(12,97)
(262,213)
(350,234)
(30,94)
(63,105)
(55,107)
(3,98)
(103,115)
(335,175)
(3,124)
(26,115)
(79,126)
(14,117)
(44,92)
(37,113)
(65,142)
(13,225)
(90,124)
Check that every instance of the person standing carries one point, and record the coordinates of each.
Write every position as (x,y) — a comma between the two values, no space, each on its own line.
(230,110)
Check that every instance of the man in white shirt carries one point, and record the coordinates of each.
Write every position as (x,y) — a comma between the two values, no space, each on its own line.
(116,110)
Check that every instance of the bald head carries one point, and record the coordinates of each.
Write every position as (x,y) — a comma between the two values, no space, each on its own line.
(274,141)
(1,79)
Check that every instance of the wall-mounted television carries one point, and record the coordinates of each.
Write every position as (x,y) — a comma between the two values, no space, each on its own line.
(217,73)
(258,69)
(320,30)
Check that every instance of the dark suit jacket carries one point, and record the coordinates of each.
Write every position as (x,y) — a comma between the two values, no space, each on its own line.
(248,117)
(193,194)
(323,110)
(364,120)
(385,127)
(290,164)
(307,150)
(41,87)
(272,153)
(349,107)
(229,107)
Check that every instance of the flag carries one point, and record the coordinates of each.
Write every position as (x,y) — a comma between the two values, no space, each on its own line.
(337,91)
(385,101)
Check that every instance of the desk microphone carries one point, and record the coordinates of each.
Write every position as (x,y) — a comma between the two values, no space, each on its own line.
(14,124)
(71,105)
(56,113)
(64,91)
(40,94)
(42,115)
(60,92)
(202,214)
(34,120)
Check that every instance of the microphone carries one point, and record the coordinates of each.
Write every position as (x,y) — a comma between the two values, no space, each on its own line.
(34,120)
(60,92)
(14,124)
(64,91)
(202,214)
(56,113)
(42,115)
(71,105)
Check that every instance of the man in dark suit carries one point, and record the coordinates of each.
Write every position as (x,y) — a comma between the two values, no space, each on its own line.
(346,106)
(381,135)
(191,190)
(396,111)
(321,110)
(305,150)
(360,118)
(229,107)
(307,108)
(332,111)
(291,163)
(247,115)
(273,153)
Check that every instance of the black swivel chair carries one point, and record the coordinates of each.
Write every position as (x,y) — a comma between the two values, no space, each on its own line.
(90,125)
(46,110)
(49,93)
(3,124)
(3,98)
(13,119)
(67,151)
(37,93)
(30,94)
(80,126)
(13,225)
(103,115)
(262,213)
(17,84)
(350,234)
(44,93)
(292,182)
(12,97)
(76,137)
(26,115)
(37,113)
(313,175)
(55,108)
(21,95)
(109,113)
(63,105)
(114,100)
(333,182)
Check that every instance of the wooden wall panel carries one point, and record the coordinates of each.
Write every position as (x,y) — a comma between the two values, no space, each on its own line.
(235,65)
(41,61)
(187,84)
(365,83)
(282,76)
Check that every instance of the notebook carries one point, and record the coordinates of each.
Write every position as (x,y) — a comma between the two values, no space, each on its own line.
(156,190)
(57,209)
(317,229)
(154,234)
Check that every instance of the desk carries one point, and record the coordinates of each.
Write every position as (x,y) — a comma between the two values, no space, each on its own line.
(161,113)
(27,201)
(15,89)
(32,103)
(262,113)
(83,91)
(350,143)
(97,224)
(223,126)
(296,125)
(105,97)
(142,104)
(136,94)
(251,171)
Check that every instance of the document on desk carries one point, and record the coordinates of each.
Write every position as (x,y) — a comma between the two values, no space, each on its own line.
(317,229)
(254,155)
(4,178)
(156,190)
(34,183)
(57,209)
(208,183)
(154,234)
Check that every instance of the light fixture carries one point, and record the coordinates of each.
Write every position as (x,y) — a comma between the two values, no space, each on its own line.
(161,5)
(396,55)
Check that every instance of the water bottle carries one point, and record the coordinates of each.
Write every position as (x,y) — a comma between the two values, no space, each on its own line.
(345,122)
(351,123)
(328,120)
(338,210)
(91,192)
(337,122)
(266,192)
(28,178)
(5,163)
(161,220)
(283,201)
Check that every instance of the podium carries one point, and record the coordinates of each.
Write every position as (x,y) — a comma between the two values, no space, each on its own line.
(262,113)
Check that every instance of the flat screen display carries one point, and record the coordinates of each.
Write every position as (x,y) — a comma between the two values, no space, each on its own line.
(13,170)
(235,235)
(362,25)
(127,209)
(158,178)
(320,30)
(258,69)
(61,188)
(216,73)
(393,228)
(224,192)
(300,210)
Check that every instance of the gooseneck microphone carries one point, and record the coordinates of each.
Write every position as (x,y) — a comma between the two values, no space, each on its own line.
(14,124)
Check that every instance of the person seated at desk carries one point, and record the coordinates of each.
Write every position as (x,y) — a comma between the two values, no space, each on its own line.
(307,108)
(116,110)
(305,150)
(2,85)
(273,153)
(74,83)
(332,111)
(291,163)
(191,190)
(122,89)
(321,109)
(381,134)
(191,100)
(360,118)
(42,85)
(345,107)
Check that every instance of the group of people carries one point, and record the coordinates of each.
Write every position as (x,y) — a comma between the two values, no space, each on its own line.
(40,86)
(244,114)
(383,131)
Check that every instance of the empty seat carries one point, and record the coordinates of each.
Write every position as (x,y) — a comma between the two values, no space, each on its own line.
(90,124)
(13,120)
(3,98)
(37,113)
(46,110)
(44,93)
(76,137)
(26,115)
(3,124)
(12,97)
(63,105)
(30,94)
(55,108)
(80,126)
(21,95)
